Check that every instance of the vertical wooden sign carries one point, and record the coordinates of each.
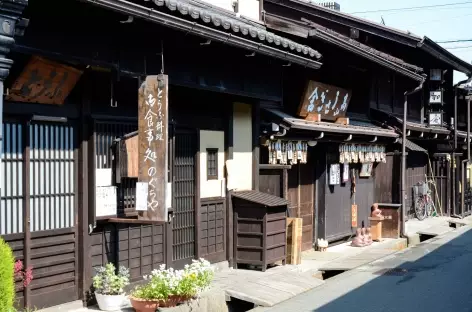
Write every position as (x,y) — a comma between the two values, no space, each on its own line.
(354,216)
(153,137)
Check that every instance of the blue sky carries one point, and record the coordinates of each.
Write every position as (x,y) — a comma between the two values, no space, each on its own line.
(439,23)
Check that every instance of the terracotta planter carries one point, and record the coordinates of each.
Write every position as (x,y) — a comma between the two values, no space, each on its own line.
(173,300)
(144,305)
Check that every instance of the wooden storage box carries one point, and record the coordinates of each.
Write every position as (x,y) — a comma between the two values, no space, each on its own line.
(260,222)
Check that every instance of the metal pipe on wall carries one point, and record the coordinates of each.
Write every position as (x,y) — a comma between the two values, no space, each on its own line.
(403,186)
(455,176)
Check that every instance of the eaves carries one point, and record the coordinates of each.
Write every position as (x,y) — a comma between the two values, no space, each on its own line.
(232,30)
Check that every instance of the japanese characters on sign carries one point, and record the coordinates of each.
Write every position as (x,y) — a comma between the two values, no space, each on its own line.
(287,152)
(329,101)
(152,136)
(44,81)
(435,97)
(358,153)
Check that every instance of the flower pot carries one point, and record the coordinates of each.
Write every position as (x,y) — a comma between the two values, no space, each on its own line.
(109,302)
(144,305)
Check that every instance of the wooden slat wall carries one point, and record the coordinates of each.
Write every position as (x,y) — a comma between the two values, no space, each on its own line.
(307,193)
(301,198)
(53,259)
(387,180)
(213,229)
(137,247)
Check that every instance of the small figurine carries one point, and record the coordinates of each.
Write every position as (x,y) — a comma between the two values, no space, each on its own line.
(376,212)
(358,241)
(322,244)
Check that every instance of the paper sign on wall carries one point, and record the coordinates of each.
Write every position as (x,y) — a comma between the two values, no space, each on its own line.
(142,196)
(105,201)
(334,174)
(103,177)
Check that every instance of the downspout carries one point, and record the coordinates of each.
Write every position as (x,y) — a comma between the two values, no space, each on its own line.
(403,193)
(453,159)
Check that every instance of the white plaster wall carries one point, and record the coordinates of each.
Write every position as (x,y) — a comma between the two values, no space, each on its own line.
(224,4)
(242,147)
(249,8)
(212,139)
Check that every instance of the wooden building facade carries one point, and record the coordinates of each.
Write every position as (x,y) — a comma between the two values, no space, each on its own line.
(72,94)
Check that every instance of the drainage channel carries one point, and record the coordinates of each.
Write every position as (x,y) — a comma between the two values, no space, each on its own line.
(425,237)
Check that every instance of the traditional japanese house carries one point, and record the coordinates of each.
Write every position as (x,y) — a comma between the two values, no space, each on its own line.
(81,76)
(429,126)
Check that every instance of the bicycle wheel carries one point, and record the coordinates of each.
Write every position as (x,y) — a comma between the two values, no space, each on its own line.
(420,208)
(430,207)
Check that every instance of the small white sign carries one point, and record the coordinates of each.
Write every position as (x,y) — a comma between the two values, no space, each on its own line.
(334,174)
(103,177)
(105,201)
(169,195)
(142,196)
(435,97)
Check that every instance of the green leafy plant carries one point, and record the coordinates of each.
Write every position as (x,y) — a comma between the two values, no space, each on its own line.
(107,282)
(164,284)
(7,282)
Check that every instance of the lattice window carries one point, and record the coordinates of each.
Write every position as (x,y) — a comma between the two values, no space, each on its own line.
(52,176)
(212,164)
(11,179)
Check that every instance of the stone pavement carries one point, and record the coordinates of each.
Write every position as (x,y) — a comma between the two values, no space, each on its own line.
(432,276)
(280,283)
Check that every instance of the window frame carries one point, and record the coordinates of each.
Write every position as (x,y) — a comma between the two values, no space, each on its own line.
(212,176)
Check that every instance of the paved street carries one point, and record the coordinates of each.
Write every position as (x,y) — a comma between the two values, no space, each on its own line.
(433,276)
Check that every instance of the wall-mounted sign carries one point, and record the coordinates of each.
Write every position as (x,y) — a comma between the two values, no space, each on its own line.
(152,136)
(44,81)
(345,173)
(435,119)
(435,97)
(330,102)
(359,153)
(366,170)
(287,152)
(435,74)
(105,201)
(334,174)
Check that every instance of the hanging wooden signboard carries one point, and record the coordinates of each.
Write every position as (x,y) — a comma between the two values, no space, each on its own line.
(44,81)
(354,216)
(329,102)
(152,137)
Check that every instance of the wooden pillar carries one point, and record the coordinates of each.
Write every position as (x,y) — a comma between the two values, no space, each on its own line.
(84,207)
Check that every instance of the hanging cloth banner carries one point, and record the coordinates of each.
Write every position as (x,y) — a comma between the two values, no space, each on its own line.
(359,153)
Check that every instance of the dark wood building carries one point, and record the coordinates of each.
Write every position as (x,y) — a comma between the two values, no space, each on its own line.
(73,91)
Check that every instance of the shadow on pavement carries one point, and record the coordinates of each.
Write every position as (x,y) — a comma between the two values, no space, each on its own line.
(433,276)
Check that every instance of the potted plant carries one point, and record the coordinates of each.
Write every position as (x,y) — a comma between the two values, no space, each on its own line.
(109,287)
(169,287)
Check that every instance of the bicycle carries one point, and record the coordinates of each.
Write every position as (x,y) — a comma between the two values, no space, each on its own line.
(424,203)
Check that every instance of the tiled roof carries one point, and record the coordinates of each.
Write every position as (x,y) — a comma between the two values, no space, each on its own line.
(364,47)
(261,198)
(230,22)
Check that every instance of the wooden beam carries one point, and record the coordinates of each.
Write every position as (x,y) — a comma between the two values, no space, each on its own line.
(134,221)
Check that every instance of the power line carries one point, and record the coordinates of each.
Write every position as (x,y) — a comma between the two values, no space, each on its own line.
(455,41)
(413,8)
(459,47)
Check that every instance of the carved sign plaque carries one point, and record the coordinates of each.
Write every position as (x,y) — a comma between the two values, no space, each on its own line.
(330,102)
(44,81)
(153,136)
